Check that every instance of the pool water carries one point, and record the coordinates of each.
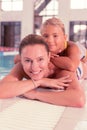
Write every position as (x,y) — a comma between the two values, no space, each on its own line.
(6,61)
(6,64)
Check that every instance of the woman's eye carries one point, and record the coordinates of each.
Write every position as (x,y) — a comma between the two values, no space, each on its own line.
(45,36)
(27,60)
(41,59)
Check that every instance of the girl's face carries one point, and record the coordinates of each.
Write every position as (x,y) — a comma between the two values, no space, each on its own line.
(55,38)
(35,59)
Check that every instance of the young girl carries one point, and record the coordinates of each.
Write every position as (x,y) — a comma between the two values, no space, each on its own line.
(64,54)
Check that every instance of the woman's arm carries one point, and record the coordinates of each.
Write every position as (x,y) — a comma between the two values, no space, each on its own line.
(58,83)
(13,85)
(73,95)
(69,97)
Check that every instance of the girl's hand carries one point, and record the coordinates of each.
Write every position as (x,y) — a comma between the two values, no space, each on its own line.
(54,55)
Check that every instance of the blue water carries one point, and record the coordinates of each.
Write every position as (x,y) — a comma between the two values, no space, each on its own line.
(6,64)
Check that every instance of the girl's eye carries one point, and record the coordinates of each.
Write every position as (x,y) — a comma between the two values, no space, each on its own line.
(45,36)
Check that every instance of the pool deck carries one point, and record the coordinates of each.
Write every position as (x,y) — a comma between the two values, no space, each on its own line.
(70,118)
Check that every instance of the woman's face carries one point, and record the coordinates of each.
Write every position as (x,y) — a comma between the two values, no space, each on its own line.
(35,59)
(55,38)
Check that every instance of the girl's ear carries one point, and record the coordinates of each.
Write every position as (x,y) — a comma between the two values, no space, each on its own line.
(66,37)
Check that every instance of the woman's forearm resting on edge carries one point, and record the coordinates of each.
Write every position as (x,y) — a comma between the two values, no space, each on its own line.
(15,88)
(71,98)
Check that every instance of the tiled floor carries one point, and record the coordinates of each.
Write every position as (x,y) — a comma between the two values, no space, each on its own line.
(72,117)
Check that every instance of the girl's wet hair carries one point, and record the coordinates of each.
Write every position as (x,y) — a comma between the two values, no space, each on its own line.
(53,21)
(33,39)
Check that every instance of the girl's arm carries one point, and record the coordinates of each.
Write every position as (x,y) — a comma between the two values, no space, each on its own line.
(70,61)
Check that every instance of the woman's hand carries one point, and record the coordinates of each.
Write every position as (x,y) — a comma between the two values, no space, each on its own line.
(59,83)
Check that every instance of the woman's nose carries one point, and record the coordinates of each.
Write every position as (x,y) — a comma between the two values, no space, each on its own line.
(34,66)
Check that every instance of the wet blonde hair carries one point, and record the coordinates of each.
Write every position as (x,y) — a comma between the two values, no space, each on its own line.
(53,21)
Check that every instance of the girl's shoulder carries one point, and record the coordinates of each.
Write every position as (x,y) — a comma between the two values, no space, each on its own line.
(72,48)
(72,45)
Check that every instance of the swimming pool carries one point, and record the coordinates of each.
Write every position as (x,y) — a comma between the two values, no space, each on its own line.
(6,62)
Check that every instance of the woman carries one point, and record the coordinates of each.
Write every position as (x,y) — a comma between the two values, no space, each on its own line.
(34,67)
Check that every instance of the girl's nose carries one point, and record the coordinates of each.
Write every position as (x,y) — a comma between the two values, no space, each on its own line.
(50,39)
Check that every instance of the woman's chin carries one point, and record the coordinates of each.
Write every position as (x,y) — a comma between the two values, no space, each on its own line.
(37,77)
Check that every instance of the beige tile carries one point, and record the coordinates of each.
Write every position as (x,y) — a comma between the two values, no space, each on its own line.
(66,124)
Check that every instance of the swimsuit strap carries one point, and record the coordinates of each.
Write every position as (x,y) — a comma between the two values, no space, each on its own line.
(66,44)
